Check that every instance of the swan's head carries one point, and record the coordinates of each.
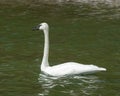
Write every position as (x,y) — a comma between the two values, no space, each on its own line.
(41,26)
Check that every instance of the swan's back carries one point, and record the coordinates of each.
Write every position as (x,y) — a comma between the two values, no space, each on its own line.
(71,68)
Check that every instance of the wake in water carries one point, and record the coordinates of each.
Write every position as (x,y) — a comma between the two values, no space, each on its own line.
(70,85)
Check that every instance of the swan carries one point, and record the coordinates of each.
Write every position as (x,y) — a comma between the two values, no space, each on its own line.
(69,68)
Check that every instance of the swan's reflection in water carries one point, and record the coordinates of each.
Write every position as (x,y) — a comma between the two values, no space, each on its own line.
(70,85)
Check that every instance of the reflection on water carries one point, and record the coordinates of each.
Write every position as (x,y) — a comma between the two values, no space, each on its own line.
(85,85)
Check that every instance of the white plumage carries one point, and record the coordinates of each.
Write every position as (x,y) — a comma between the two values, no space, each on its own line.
(69,68)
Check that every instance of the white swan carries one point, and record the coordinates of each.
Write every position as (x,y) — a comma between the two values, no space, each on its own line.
(68,68)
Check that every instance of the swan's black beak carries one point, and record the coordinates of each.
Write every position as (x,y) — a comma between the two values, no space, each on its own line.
(36,27)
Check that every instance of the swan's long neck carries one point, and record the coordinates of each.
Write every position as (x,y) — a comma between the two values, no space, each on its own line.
(45,62)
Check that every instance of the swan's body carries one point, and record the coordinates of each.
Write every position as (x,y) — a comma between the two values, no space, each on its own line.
(69,68)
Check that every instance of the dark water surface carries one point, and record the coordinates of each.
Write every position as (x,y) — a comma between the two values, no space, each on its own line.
(78,32)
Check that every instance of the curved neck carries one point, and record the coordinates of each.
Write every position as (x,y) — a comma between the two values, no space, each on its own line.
(45,62)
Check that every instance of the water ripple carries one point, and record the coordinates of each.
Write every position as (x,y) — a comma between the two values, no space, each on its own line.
(67,85)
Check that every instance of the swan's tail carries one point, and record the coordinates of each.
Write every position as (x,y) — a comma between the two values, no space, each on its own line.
(102,69)
(98,68)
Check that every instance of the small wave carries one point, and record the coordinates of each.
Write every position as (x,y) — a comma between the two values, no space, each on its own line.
(68,85)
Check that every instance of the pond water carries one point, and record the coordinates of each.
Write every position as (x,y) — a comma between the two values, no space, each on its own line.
(78,32)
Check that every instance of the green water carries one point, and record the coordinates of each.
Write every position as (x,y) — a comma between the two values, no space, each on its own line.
(78,32)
